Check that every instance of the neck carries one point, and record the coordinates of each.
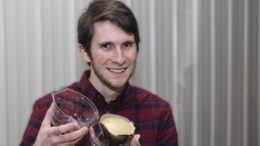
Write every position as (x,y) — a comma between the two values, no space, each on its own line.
(108,93)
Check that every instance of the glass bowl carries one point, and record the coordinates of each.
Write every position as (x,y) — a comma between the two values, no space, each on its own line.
(71,106)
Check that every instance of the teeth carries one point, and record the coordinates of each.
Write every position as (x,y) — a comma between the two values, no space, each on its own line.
(117,70)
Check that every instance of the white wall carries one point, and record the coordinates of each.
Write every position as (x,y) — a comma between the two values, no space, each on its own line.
(202,56)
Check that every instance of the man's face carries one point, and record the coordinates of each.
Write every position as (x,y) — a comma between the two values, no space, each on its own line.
(113,56)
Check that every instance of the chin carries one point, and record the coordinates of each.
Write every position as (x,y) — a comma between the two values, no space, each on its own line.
(118,85)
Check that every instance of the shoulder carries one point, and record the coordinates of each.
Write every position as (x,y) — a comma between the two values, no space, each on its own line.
(44,101)
(147,97)
(42,104)
(47,98)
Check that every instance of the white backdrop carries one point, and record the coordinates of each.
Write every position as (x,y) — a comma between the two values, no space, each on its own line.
(200,55)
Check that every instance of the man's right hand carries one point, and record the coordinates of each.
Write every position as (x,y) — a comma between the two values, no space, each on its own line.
(63,135)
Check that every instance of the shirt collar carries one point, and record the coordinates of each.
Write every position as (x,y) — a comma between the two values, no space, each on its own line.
(91,92)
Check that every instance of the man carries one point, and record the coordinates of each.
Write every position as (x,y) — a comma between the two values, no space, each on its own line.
(108,41)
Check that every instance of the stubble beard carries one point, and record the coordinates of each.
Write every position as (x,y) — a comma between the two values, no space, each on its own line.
(107,82)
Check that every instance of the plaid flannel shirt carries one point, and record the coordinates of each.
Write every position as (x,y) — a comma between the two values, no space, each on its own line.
(152,116)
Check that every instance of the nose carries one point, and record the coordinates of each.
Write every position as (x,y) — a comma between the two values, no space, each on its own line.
(118,56)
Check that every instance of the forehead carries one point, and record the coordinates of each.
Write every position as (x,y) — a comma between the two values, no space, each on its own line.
(108,31)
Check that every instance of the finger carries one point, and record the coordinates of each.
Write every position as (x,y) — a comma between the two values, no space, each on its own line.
(135,140)
(56,133)
(75,136)
(62,129)
(47,119)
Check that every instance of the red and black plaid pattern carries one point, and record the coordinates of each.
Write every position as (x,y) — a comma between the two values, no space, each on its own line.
(151,115)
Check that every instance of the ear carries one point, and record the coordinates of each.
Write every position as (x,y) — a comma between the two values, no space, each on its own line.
(83,53)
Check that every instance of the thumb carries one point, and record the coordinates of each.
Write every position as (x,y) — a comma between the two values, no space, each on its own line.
(135,140)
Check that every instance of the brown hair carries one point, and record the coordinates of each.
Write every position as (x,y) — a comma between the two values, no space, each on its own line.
(102,10)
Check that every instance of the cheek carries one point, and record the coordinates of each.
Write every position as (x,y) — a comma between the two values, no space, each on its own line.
(132,59)
(132,56)
(100,58)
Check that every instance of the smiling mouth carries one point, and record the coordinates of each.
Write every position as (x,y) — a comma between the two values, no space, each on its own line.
(113,70)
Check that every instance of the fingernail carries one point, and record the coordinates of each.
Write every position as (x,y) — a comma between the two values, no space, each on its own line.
(138,137)
(76,125)
(85,128)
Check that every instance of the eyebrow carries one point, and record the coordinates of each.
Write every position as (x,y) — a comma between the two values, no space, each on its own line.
(132,42)
(109,42)
(103,43)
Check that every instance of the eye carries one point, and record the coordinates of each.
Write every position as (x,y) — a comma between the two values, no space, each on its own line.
(128,44)
(106,45)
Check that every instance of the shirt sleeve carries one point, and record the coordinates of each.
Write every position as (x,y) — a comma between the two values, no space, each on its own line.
(33,125)
(167,133)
